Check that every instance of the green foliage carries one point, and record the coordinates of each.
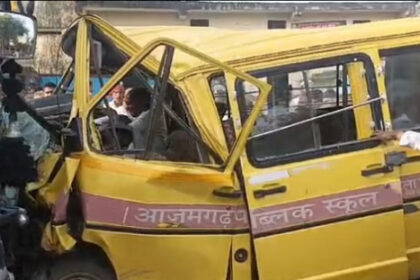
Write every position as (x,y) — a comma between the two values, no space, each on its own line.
(11,29)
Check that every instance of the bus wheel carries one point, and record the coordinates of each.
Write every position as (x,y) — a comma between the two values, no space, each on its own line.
(74,268)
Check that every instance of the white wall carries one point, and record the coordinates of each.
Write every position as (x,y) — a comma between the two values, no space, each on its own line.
(139,18)
(239,20)
(233,20)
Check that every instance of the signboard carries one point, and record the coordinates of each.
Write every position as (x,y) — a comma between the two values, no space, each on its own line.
(320,24)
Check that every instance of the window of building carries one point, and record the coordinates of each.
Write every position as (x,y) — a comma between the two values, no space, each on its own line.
(402,71)
(199,22)
(291,125)
(319,24)
(360,21)
(276,24)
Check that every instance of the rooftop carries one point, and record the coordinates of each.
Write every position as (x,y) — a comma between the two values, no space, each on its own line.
(251,6)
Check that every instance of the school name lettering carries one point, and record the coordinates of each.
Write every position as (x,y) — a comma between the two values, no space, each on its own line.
(313,212)
(411,187)
(194,218)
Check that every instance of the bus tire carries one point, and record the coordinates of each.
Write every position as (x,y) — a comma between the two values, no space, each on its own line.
(75,268)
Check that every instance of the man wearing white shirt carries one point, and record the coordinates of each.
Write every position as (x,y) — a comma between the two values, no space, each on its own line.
(117,94)
(136,106)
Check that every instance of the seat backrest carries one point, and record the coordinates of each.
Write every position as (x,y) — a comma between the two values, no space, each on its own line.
(181,147)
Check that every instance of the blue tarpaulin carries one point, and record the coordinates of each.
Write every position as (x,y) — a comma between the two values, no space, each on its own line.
(56,80)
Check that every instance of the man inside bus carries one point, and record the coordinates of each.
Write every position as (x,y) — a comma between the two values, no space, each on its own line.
(49,89)
(117,94)
(137,103)
(406,137)
(404,112)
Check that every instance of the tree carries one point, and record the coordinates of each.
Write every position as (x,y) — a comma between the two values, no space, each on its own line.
(49,59)
(11,29)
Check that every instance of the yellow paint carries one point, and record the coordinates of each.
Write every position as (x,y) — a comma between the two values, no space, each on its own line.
(360,91)
(137,58)
(61,183)
(379,246)
(57,238)
(164,256)
(210,127)
(45,167)
(242,270)
(346,250)
(412,220)
(81,80)
(413,241)
(14,7)
(239,47)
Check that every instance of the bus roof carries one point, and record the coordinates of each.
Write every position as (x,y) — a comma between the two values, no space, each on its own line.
(233,46)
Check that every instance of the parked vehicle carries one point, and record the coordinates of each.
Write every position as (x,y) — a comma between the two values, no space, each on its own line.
(249,184)
(17,166)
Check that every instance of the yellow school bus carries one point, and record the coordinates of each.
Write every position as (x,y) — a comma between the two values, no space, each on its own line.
(269,166)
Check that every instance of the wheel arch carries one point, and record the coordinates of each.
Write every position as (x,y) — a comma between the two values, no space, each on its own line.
(85,251)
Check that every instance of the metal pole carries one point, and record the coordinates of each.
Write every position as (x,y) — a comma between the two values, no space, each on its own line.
(317,118)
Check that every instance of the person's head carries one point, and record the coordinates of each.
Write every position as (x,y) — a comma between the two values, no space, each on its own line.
(137,100)
(49,89)
(118,95)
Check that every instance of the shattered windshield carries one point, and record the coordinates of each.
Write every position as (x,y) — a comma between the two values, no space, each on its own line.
(35,136)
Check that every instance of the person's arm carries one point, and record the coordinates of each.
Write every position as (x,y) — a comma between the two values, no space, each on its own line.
(388,135)
(406,138)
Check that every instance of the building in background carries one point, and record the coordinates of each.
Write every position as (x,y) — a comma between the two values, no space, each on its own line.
(252,15)
(49,61)
(54,16)
(246,15)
